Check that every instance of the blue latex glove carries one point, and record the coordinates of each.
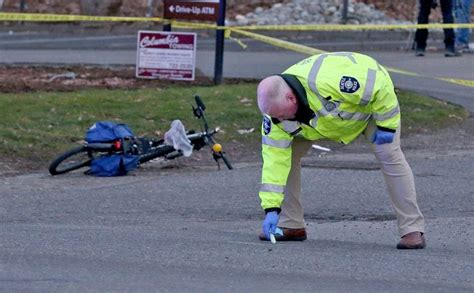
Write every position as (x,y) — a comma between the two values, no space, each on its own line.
(270,223)
(381,137)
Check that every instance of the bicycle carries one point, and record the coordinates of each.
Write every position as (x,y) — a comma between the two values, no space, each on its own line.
(145,148)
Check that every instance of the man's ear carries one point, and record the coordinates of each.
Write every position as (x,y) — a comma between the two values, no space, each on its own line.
(291,97)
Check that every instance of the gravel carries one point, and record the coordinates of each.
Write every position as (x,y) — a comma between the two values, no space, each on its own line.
(314,12)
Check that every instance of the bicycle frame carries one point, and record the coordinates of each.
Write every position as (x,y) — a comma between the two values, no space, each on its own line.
(146,149)
(208,136)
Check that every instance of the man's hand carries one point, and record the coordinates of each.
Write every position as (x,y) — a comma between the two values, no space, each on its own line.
(270,223)
(381,137)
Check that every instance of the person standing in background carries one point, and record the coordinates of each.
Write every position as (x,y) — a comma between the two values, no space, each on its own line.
(421,35)
(462,14)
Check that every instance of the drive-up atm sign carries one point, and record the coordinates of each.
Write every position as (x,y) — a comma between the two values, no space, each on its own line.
(191,9)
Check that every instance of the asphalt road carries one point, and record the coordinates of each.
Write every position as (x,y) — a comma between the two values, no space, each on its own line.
(195,230)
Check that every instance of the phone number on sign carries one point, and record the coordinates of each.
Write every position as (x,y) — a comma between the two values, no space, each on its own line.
(157,59)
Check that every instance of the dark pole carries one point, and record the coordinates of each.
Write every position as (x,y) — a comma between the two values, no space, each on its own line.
(218,65)
(344,11)
(22,9)
(22,5)
(166,27)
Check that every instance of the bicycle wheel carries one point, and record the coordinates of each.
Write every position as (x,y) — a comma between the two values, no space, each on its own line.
(73,159)
(160,151)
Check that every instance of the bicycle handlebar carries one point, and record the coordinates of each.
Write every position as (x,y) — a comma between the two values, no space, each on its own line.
(206,134)
(199,103)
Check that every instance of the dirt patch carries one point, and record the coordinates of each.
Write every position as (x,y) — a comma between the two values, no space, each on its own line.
(16,79)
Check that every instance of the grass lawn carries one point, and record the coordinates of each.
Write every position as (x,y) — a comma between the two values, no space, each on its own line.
(39,125)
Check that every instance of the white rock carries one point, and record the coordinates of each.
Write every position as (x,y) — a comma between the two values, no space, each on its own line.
(315,12)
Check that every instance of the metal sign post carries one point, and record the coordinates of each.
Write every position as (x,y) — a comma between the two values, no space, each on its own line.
(345,8)
(219,61)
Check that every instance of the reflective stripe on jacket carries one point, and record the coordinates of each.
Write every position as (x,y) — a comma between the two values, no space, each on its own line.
(344,90)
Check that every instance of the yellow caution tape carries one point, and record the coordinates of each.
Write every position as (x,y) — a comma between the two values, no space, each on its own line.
(10,16)
(396,70)
(194,25)
(464,82)
(279,43)
(227,35)
(469,83)
(64,17)
(353,27)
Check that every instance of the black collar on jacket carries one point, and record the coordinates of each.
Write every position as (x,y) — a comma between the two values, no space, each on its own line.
(304,113)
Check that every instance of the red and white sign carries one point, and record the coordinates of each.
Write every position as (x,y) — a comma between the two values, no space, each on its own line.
(166,55)
(191,9)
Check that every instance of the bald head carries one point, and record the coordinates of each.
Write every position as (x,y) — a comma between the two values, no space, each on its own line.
(275,98)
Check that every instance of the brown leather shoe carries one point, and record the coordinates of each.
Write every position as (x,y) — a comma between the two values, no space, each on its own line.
(413,240)
(288,235)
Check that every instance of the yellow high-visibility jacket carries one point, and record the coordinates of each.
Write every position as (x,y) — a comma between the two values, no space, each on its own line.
(338,93)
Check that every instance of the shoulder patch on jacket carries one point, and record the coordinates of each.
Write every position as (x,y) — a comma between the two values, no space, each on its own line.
(349,84)
(267,125)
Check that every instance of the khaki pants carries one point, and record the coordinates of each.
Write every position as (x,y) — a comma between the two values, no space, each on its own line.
(397,174)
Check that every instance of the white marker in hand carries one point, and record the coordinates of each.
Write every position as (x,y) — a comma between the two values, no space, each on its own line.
(272,239)
(318,147)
